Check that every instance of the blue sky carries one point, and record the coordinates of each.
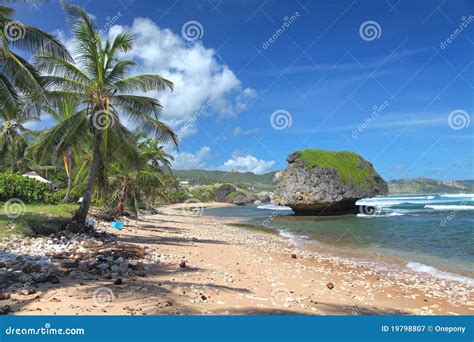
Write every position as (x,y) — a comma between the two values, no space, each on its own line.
(398,93)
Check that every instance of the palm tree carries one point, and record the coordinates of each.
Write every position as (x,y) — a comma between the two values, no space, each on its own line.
(13,133)
(68,108)
(100,82)
(18,78)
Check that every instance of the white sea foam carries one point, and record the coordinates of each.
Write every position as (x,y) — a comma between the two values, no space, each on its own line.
(273,207)
(458,195)
(381,214)
(417,267)
(449,207)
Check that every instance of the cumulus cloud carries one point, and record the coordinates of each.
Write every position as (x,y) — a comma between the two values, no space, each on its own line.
(199,79)
(200,159)
(247,163)
(188,161)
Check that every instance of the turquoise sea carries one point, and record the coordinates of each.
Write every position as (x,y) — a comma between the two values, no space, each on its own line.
(431,233)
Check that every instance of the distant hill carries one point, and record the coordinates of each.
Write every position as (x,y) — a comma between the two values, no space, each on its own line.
(242,180)
(431,186)
(265,182)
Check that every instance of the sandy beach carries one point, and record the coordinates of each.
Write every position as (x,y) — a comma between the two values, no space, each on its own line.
(206,266)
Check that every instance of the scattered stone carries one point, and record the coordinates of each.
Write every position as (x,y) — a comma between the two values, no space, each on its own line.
(118,281)
(203,297)
(5,310)
(68,263)
(182,264)
(52,279)
(293,255)
(330,286)
(4,296)
(26,292)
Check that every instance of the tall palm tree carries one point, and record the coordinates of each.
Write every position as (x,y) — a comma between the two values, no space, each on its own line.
(13,133)
(18,78)
(100,82)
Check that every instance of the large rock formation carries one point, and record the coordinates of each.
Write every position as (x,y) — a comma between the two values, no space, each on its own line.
(323,182)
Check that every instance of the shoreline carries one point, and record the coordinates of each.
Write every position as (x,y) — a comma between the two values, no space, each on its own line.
(235,271)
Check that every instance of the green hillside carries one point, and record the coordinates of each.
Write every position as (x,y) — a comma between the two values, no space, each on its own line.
(265,182)
(242,180)
(429,186)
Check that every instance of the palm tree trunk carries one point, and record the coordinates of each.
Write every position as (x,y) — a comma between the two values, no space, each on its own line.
(68,165)
(122,199)
(81,214)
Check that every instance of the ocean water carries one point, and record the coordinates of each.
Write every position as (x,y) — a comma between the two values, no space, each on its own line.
(427,233)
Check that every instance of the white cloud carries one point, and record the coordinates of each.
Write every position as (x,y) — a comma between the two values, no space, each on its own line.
(199,79)
(247,163)
(188,161)
(199,160)
(239,132)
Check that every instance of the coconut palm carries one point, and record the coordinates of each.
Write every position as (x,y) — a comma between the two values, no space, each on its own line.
(18,78)
(101,83)
(67,109)
(13,133)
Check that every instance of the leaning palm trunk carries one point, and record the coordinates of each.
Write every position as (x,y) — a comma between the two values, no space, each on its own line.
(68,167)
(81,214)
(122,199)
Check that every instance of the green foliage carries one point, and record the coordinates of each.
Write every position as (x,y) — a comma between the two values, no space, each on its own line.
(349,166)
(58,196)
(28,190)
(38,219)
(242,180)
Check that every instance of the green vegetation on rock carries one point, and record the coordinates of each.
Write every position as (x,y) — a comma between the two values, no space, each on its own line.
(349,166)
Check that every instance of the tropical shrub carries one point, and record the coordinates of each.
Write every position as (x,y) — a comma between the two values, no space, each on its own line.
(13,185)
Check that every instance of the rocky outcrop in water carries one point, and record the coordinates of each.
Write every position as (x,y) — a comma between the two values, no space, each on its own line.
(319,182)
